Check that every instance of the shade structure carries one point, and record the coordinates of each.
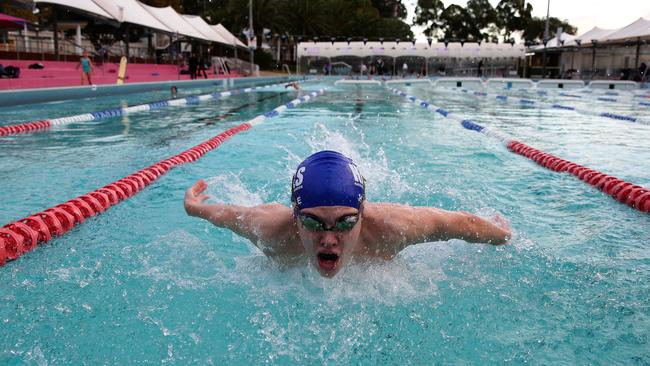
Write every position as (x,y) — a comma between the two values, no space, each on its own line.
(586,38)
(131,11)
(640,28)
(204,28)
(174,21)
(8,21)
(225,34)
(394,49)
(86,6)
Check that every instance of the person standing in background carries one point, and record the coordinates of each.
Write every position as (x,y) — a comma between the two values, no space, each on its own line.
(86,68)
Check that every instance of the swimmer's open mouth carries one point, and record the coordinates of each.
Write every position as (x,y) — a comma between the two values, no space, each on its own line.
(328,261)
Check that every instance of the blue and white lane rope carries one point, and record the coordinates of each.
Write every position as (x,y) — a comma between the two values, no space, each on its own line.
(531,102)
(21,236)
(33,126)
(633,195)
(190,100)
(466,123)
(606,97)
(278,110)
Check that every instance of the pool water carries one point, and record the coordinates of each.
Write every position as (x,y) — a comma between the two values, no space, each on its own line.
(143,283)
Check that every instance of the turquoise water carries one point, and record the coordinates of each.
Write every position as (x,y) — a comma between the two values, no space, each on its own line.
(144,284)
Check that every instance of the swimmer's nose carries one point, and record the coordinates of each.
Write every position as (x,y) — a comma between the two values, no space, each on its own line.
(329,240)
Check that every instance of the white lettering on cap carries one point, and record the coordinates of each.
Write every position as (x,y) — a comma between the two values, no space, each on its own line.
(356,174)
(297,183)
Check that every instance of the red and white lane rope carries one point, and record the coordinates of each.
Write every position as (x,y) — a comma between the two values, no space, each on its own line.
(116,112)
(21,236)
(633,195)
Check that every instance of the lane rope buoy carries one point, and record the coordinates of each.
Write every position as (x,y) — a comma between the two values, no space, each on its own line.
(633,195)
(532,102)
(117,112)
(21,236)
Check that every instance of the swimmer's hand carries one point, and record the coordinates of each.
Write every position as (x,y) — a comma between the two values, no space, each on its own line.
(194,198)
(503,224)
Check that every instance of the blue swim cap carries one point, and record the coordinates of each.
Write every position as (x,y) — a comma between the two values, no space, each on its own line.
(327,178)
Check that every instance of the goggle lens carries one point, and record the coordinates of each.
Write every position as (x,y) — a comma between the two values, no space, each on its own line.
(345,223)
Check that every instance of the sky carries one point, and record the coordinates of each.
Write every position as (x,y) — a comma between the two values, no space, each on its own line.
(584,14)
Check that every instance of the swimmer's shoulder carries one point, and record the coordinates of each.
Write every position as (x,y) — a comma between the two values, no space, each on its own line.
(277,228)
(389,227)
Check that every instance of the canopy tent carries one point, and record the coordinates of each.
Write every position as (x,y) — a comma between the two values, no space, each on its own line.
(638,29)
(565,39)
(393,49)
(225,34)
(161,19)
(174,21)
(8,21)
(130,11)
(83,5)
(204,28)
(594,33)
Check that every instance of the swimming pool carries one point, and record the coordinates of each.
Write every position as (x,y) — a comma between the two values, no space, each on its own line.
(144,283)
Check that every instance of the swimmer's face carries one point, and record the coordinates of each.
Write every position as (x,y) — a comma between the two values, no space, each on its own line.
(329,250)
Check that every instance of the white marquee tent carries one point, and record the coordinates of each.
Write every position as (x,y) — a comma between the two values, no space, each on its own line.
(130,11)
(204,28)
(392,49)
(174,21)
(594,33)
(85,6)
(166,20)
(225,34)
(637,30)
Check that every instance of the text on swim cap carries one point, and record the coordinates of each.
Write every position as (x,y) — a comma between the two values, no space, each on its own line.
(297,182)
(358,179)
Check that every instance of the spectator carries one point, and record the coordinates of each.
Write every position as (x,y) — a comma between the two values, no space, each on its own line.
(86,68)
(192,64)
(202,63)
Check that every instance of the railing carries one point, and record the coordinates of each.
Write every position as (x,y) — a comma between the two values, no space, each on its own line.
(286,68)
(243,67)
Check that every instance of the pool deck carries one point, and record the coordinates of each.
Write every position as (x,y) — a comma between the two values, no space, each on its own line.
(65,74)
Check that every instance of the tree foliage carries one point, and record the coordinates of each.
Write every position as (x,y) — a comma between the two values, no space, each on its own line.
(535,28)
(322,18)
(479,20)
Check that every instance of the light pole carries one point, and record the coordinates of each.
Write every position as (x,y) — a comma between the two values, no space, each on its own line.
(251,34)
(546,35)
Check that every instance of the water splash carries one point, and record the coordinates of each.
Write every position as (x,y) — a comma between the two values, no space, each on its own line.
(228,188)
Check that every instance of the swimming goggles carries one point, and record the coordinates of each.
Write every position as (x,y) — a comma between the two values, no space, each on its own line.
(313,223)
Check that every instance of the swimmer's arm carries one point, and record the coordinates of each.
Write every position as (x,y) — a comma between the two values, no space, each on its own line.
(424,224)
(254,223)
(470,228)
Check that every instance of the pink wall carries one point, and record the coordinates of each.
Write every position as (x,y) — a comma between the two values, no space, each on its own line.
(61,73)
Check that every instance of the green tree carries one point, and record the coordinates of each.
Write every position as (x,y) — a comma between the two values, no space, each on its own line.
(428,13)
(390,8)
(513,16)
(455,22)
(176,4)
(305,18)
(323,18)
(483,19)
(534,30)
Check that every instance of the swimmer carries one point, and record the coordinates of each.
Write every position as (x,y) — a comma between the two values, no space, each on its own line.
(330,220)
(174,91)
(293,85)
